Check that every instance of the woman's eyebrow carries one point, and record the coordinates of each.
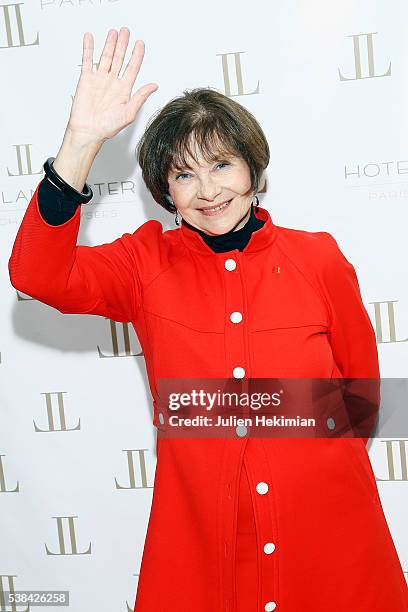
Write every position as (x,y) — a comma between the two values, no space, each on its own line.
(177,169)
(217,158)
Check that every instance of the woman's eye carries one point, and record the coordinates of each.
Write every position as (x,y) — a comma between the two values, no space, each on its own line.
(186,173)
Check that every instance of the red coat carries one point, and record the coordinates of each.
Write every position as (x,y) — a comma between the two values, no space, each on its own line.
(309,533)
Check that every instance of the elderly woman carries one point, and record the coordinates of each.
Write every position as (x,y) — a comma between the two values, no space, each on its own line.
(238,523)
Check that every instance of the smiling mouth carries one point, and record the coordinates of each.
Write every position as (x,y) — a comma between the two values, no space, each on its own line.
(215,209)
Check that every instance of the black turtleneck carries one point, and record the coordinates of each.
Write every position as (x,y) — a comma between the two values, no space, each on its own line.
(57,207)
(237,239)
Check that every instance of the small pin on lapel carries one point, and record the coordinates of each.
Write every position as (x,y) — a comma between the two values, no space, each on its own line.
(276,269)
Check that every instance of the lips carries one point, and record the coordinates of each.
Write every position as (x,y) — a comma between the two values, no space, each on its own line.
(215,206)
(217,211)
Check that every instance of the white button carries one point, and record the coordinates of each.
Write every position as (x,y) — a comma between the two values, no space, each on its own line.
(271,605)
(230,264)
(236,317)
(241,431)
(331,423)
(262,488)
(269,548)
(161,418)
(238,372)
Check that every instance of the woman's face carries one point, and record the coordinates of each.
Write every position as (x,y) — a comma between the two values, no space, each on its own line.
(206,185)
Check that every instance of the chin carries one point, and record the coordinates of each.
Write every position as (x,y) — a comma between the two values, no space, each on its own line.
(219,226)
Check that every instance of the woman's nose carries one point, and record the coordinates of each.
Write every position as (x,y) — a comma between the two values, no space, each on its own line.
(208,189)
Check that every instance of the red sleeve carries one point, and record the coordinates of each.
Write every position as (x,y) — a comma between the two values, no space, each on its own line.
(48,265)
(352,338)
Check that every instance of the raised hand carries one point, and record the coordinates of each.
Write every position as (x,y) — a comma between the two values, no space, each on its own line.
(103,103)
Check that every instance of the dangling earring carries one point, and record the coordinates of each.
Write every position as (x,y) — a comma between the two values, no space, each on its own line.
(176,218)
(257,201)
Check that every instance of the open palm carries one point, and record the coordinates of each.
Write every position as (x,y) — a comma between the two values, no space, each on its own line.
(103,104)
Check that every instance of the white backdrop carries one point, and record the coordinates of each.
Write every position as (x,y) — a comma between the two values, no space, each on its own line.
(327,81)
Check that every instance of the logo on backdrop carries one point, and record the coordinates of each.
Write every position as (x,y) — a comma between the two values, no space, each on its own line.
(116,352)
(141,459)
(69,538)
(9,10)
(358,60)
(238,75)
(58,397)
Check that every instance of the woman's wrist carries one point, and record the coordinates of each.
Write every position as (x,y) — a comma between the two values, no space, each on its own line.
(75,158)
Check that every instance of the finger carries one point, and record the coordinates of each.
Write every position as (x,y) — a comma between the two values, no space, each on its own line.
(139,98)
(133,66)
(107,51)
(120,51)
(87,52)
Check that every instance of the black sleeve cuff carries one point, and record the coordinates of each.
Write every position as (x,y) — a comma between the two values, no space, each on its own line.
(55,206)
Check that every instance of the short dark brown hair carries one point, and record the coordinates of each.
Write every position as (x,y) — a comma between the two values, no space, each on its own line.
(219,125)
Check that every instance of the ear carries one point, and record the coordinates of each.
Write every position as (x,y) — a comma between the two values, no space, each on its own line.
(168,198)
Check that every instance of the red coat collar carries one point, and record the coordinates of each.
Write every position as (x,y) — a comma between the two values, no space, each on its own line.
(260,238)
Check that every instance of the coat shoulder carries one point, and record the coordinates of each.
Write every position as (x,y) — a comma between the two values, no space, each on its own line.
(153,233)
(150,247)
(320,247)
(305,238)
